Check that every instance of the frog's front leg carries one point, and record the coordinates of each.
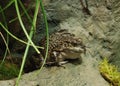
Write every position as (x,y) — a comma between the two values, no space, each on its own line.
(59,59)
(108,4)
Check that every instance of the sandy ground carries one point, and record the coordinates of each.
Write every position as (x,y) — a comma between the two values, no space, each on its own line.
(96,31)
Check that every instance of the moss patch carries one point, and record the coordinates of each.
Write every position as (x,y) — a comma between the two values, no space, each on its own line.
(8,70)
(110,72)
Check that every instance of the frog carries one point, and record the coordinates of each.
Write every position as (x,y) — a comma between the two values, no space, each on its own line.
(63,46)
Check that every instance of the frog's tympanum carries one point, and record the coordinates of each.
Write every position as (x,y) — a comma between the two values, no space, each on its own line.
(63,46)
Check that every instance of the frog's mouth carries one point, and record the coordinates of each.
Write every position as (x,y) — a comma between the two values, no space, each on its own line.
(72,52)
(74,49)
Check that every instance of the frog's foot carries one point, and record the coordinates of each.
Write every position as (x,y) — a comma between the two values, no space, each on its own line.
(63,62)
(60,64)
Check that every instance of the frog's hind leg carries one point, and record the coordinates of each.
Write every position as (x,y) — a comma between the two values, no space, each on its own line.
(63,62)
(60,64)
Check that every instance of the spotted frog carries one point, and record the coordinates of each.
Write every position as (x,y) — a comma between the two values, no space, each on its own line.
(63,46)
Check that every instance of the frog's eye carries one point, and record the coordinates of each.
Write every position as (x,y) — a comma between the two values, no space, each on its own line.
(76,43)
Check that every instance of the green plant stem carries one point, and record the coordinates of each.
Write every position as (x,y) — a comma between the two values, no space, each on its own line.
(16,37)
(47,35)
(4,19)
(27,47)
(23,63)
(23,27)
(25,11)
(10,3)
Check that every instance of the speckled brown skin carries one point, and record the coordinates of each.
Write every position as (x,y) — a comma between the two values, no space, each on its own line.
(62,46)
